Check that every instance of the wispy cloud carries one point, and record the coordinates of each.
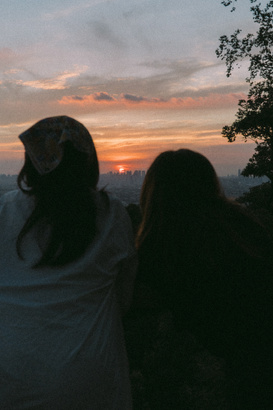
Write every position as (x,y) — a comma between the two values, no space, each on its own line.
(164,79)
(59,82)
(14,125)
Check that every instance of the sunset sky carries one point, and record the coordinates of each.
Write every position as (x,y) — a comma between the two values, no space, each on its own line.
(141,75)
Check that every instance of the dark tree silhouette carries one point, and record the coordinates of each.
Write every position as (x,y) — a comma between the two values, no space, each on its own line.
(257,197)
(257,200)
(254,118)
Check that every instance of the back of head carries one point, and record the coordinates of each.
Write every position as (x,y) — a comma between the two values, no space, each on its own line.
(61,172)
(58,145)
(183,175)
(75,171)
(177,182)
(186,217)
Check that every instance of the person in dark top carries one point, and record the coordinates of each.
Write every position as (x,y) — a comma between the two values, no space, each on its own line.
(210,265)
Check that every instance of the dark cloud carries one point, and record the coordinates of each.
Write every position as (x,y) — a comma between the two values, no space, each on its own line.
(134,98)
(104,33)
(103,97)
(77,98)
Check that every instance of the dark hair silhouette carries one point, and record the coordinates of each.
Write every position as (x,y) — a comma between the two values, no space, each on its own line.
(177,182)
(199,250)
(182,201)
(64,205)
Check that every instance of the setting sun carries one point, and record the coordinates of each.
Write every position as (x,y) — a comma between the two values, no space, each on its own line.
(121,170)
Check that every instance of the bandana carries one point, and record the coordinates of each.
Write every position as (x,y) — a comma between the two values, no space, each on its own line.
(44,141)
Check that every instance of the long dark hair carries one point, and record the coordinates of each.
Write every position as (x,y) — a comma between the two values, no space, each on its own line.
(64,205)
(185,216)
(209,263)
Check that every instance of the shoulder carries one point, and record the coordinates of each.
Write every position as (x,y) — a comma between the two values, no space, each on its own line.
(16,203)
(9,196)
(12,198)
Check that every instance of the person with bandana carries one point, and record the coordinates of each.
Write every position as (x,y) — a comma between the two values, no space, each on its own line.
(67,263)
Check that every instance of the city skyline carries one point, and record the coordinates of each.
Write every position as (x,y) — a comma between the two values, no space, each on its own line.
(142,76)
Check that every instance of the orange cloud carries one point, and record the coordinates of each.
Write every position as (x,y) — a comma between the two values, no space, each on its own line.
(105,100)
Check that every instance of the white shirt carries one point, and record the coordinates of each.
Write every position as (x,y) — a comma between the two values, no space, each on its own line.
(61,338)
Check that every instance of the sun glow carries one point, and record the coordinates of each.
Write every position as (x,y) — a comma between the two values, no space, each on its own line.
(121,169)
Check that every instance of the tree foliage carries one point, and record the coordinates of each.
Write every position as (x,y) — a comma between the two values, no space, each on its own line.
(258,197)
(260,163)
(254,118)
(257,48)
(258,201)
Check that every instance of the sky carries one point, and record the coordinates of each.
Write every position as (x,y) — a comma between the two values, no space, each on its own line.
(141,75)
